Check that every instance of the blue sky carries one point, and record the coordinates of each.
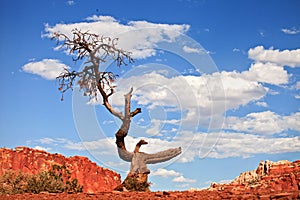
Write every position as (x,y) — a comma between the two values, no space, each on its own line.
(219,78)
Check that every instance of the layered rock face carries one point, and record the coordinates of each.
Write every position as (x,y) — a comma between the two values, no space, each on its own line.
(93,178)
(269,177)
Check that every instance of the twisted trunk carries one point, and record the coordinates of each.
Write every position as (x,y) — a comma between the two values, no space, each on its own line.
(137,179)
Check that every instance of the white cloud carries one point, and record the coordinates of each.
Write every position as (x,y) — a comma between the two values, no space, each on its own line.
(246,145)
(46,140)
(146,34)
(240,90)
(282,58)
(267,73)
(165,173)
(155,128)
(178,177)
(236,50)
(42,148)
(262,104)
(182,179)
(291,31)
(70,2)
(209,95)
(106,146)
(267,122)
(101,18)
(193,50)
(47,68)
(296,86)
(268,65)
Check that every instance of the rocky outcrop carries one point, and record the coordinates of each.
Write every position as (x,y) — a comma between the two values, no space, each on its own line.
(269,178)
(93,178)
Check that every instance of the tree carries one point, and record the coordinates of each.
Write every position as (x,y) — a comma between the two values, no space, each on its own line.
(92,81)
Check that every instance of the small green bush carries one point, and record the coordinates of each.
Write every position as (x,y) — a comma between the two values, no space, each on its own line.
(13,183)
(132,184)
(56,180)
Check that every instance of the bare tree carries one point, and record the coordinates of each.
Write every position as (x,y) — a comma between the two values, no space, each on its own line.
(92,81)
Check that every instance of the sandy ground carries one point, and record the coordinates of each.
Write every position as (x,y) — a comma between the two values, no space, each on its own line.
(204,194)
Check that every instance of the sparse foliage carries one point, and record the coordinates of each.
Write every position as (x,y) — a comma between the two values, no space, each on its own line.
(56,180)
(13,183)
(132,184)
(97,50)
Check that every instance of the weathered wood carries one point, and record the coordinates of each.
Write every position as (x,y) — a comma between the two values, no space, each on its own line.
(139,160)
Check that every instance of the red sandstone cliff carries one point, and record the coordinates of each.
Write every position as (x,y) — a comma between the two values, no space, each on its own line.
(269,177)
(271,180)
(92,177)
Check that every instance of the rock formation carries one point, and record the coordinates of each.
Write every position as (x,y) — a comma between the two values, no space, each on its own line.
(269,177)
(92,177)
(271,180)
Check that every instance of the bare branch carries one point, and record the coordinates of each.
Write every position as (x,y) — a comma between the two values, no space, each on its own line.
(66,80)
(96,49)
(135,112)
(107,104)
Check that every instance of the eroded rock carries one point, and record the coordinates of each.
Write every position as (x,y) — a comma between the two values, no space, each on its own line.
(93,178)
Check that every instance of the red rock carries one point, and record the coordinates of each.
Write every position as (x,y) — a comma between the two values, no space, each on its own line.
(92,177)
(269,178)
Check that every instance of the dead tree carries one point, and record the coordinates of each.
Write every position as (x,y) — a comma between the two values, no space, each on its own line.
(93,82)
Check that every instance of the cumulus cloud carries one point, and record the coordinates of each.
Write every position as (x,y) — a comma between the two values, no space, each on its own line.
(41,148)
(286,57)
(209,95)
(182,179)
(188,49)
(101,18)
(146,34)
(246,145)
(47,68)
(267,73)
(267,123)
(262,104)
(165,173)
(291,31)
(178,177)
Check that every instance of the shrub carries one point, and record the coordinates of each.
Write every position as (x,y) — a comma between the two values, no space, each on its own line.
(56,180)
(132,184)
(13,182)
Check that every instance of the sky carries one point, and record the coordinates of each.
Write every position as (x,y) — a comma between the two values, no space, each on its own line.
(221,79)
